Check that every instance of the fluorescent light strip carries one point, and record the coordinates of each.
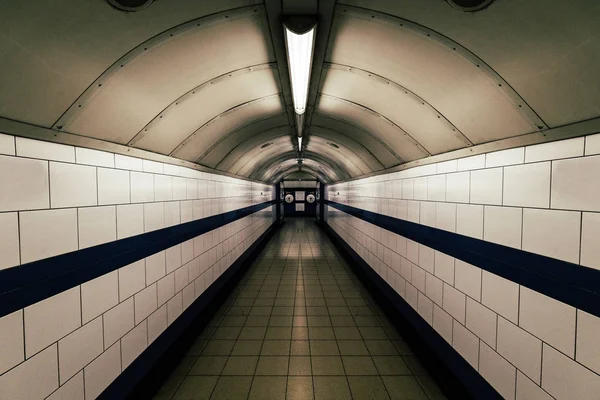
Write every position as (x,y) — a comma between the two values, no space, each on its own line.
(300,49)
(300,144)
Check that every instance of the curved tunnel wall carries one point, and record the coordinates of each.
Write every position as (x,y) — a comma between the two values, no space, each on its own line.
(398,87)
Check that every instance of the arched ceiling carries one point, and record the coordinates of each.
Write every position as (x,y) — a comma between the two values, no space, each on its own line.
(393,81)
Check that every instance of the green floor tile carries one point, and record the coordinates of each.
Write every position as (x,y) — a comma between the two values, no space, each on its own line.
(218,347)
(300,348)
(232,388)
(359,365)
(208,365)
(415,365)
(268,387)
(247,348)
(403,388)
(196,388)
(372,333)
(352,348)
(280,333)
(324,348)
(331,388)
(367,388)
(299,388)
(327,365)
(300,365)
(227,332)
(272,365)
(300,333)
(257,320)
(245,365)
(275,348)
(391,365)
(252,333)
(347,333)
(321,332)
(381,347)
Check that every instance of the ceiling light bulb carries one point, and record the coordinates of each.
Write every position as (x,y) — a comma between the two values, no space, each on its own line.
(300,52)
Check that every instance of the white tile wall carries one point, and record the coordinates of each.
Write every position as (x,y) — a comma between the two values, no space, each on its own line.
(588,335)
(102,371)
(97,225)
(24,184)
(130,220)
(79,348)
(527,390)
(466,343)
(47,233)
(99,295)
(503,225)
(548,319)
(521,348)
(72,390)
(9,240)
(497,371)
(36,378)
(454,303)
(7,145)
(72,185)
(12,348)
(94,157)
(501,295)
(486,186)
(513,204)
(482,321)
(527,185)
(563,378)
(51,319)
(117,322)
(91,327)
(590,248)
(45,150)
(576,184)
(134,343)
(540,229)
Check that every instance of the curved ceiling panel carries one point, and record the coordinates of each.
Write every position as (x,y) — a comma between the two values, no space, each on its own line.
(337,151)
(299,171)
(384,153)
(298,175)
(263,155)
(370,161)
(555,70)
(411,113)
(229,146)
(270,167)
(246,150)
(389,133)
(199,105)
(122,103)
(460,90)
(201,141)
(52,51)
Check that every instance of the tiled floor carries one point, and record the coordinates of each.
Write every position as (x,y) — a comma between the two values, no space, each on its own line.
(300,326)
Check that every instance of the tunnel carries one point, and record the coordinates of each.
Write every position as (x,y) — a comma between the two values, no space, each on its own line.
(300,199)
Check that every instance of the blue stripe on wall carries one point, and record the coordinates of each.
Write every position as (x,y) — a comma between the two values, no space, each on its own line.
(30,283)
(566,282)
(471,380)
(125,383)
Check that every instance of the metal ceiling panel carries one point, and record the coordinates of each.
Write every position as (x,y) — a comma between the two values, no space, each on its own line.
(129,98)
(244,150)
(234,142)
(201,141)
(415,116)
(353,164)
(546,50)
(460,90)
(390,134)
(199,105)
(52,51)
(364,154)
(262,155)
(380,150)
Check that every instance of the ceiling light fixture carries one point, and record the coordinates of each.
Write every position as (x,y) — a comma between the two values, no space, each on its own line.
(300,44)
(300,32)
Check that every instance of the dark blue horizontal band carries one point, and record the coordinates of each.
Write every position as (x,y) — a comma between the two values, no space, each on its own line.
(569,283)
(471,380)
(126,382)
(29,283)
